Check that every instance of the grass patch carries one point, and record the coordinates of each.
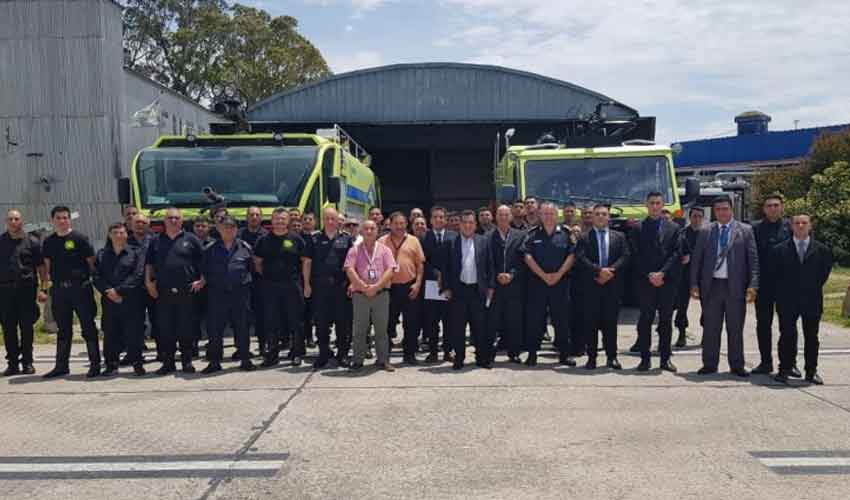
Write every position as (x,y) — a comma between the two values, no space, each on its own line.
(836,286)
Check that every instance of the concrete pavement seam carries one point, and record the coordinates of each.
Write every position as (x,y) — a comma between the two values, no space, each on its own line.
(823,399)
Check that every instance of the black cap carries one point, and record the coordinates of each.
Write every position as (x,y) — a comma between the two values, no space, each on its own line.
(227,220)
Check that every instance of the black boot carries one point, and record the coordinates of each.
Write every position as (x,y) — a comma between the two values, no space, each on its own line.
(111,369)
(93,348)
(63,353)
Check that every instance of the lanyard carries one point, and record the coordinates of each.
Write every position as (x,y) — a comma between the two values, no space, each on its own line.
(397,247)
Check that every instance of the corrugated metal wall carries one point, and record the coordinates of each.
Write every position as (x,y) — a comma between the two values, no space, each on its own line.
(65,105)
(430,93)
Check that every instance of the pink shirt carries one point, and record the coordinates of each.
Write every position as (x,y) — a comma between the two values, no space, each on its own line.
(372,267)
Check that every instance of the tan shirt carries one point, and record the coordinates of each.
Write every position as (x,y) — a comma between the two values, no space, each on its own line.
(408,256)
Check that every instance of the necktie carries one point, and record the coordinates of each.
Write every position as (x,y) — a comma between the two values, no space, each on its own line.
(439,238)
(724,237)
(801,250)
(603,250)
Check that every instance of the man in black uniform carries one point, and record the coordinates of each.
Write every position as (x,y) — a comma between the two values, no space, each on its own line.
(203,227)
(140,237)
(658,262)
(70,260)
(435,245)
(21,264)
(688,241)
(119,274)
(172,276)
(549,255)
(250,234)
(226,271)
(327,283)
(279,260)
(602,258)
(506,310)
(769,232)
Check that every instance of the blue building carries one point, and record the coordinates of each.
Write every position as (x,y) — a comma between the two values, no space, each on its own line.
(755,147)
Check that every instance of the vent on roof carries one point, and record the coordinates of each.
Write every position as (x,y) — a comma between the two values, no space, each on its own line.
(752,122)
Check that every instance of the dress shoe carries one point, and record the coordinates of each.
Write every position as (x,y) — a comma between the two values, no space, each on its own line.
(28,370)
(514,358)
(740,372)
(614,364)
(457,365)
(11,370)
(762,369)
(591,364)
(167,367)
(634,348)
(706,371)
(355,367)
(247,366)
(410,360)
(781,377)
(270,361)
(188,367)
(296,361)
(320,362)
(139,369)
(668,366)
(794,372)
(58,371)
(211,368)
(565,359)
(448,357)
(643,366)
(387,367)
(110,370)
(93,372)
(814,378)
(432,358)
(531,360)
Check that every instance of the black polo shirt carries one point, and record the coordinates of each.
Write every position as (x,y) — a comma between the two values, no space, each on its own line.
(124,271)
(328,255)
(549,251)
(68,256)
(251,237)
(176,262)
(281,257)
(19,258)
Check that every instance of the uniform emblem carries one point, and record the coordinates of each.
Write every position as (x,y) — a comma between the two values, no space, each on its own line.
(287,244)
(70,245)
(185,244)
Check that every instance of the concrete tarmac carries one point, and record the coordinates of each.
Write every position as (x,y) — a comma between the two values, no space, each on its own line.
(430,432)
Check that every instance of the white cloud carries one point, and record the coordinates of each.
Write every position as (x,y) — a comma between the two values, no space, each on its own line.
(344,63)
(787,58)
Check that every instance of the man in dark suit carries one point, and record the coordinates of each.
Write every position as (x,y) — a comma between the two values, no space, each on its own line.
(658,263)
(436,244)
(602,257)
(469,281)
(688,239)
(506,310)
(772,230)
(800,266)
(724,276)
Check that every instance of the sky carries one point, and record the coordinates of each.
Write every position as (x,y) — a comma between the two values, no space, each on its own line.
(692,64)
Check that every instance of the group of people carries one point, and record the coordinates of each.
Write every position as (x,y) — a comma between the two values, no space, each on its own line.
(506,274)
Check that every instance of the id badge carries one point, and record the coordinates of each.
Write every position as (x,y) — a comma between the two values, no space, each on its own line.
(373,276)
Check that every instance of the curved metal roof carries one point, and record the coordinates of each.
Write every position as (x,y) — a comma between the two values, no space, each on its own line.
(431,93)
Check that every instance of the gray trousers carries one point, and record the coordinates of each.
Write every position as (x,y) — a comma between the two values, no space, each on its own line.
(719,306)
(377,309)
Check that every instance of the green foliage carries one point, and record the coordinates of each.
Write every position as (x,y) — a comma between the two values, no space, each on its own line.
(828,201)
(208,49)
(790,182)
(827,150)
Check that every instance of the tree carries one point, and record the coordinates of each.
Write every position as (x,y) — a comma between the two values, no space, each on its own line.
(828,149)
(790,182)
(208,49)
(828,202)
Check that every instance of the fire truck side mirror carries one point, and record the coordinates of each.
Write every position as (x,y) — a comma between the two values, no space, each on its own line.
(692,188)
(124,190)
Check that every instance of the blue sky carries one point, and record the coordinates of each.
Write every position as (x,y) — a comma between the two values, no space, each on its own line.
(692,64)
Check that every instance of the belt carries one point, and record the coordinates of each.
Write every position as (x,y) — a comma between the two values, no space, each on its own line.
(384,290)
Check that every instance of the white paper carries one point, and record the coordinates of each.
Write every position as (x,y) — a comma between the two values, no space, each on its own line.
(432,291)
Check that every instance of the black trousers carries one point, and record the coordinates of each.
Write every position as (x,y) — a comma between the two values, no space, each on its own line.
(257,316)
(683,298)
(578,333)
(601,311)
(228,306)
(551,301)
(436,318)
(467,307)
(401,304)
(765,307)
(283,304)
(788,317)
(332,306)
(307,323)
(177,319)
(122,326)
(148,305)
(18,312)
(506,316)
(68,299)
(654,299)
(201,303)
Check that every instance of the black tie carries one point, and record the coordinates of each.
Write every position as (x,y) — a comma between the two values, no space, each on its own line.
(439,238)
